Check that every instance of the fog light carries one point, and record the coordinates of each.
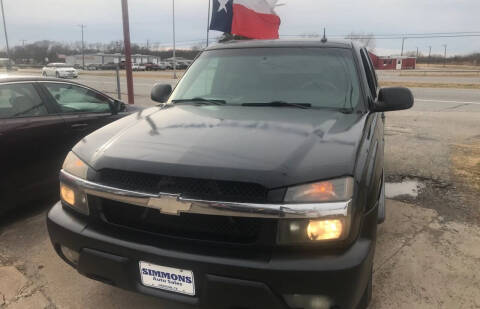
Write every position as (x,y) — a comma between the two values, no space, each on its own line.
(312,231)
(299,301)
(67,194)
(324,229)
(75,198)
(71,255)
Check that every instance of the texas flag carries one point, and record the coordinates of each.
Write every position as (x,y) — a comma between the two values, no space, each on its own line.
(255,19)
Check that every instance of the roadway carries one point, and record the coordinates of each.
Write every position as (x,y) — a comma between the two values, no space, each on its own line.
(447,77)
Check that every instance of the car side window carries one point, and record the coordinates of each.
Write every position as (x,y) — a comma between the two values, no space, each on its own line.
(20,100)
(75,99)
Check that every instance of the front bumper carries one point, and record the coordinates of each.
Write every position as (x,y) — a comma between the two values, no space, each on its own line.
(221,282)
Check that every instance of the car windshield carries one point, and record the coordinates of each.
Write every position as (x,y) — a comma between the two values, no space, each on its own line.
(316,77)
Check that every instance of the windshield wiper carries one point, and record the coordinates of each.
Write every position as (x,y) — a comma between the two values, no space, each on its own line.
(199,100)
(280,104)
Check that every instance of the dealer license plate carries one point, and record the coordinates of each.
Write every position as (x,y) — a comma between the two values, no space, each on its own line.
(167,278)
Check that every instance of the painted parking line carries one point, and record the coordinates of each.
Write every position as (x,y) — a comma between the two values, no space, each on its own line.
(443,101)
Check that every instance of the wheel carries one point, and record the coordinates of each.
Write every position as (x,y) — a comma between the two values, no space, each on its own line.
(367,295)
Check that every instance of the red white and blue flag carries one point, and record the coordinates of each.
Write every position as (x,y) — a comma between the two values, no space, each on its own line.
(255,19)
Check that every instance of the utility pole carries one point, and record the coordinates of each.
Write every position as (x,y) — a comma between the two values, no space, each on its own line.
(403,44)
(148,44)
(6,36)
(23,42)
(445,55)
(82,26)
(128,52)
(417,51)
(174,57)
(117,70)
(208,21)
(429,53)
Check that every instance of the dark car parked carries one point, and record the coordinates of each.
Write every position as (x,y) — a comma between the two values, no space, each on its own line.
(40,121)
(93,67)
(108,66)
(154,67)
(180,65)
(259,184)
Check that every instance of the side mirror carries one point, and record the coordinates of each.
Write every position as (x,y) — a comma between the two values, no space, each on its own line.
(118,106)
(393,99)
(161,92)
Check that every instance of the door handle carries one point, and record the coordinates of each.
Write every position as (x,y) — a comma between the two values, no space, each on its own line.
(79,125)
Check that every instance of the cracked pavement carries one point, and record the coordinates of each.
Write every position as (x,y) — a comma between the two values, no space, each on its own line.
(427,255)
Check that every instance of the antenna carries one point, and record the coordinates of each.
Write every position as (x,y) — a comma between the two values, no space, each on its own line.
(324,39)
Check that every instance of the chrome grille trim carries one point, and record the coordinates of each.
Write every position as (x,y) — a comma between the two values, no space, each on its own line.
(218,208)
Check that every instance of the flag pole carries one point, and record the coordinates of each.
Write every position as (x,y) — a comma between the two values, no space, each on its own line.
(208,20)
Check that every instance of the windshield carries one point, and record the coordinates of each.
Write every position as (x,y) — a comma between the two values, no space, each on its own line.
(320,77)
(60,65)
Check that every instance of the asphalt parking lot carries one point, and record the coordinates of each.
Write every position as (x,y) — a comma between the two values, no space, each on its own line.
(427,253)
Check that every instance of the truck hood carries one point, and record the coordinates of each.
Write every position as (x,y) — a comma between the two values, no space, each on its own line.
(274,147)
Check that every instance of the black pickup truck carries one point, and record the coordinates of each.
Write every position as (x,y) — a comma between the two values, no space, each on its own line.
(257,184)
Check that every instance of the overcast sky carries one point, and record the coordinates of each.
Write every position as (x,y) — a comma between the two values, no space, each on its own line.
(34,20)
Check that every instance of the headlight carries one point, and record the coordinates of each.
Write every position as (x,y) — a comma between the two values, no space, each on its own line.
(331,228)
(70,194)
(73,165)
(335,190)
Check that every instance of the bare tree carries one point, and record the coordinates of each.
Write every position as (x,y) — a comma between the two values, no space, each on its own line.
(365,39)
(198,47)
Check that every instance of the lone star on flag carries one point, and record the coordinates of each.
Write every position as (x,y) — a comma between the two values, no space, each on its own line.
(223,5)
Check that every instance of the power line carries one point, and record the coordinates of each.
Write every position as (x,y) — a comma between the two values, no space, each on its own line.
(411,37)
(399,36)
(419,34)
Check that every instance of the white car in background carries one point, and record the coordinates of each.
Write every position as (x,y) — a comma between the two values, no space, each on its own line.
(59,70)
(138,67)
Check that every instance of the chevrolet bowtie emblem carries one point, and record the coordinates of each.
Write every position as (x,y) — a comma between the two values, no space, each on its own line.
(169,204)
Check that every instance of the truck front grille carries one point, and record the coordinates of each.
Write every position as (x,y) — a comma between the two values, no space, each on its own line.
(203,189)
(186,226)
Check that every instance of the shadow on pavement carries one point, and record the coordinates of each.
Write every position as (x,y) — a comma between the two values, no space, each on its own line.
(24,211)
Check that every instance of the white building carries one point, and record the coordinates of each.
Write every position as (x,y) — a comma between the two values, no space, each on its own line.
(102,58)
